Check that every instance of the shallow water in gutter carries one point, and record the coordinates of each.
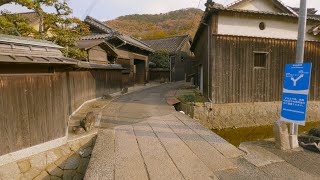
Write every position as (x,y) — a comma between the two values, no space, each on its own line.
(239,135)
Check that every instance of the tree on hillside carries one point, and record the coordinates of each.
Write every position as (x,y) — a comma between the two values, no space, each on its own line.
(161,59)
(59,27)
(180,22)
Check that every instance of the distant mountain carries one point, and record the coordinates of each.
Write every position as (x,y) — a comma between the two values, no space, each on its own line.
(180,22)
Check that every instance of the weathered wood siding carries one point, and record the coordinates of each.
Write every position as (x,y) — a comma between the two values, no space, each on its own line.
(98,55)
(234,78)
(159,74)
(201,53)
(35,108)
(129,65)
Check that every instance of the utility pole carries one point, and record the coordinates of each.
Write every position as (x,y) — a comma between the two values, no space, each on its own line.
(299,59)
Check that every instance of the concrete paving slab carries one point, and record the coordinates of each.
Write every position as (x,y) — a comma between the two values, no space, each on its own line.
(304,160)
(214,160)
(258,155)
(245,171)
(102,161)
(158,162)
(224,147)
(286,171)
(129,162)
(187,162)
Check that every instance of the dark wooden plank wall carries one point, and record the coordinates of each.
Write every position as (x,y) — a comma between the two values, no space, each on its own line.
(158,74)
(35,108)
(236,80)
(85,85)
(201,53)
(129,65)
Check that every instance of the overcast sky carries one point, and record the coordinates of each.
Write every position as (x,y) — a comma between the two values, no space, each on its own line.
(110,9)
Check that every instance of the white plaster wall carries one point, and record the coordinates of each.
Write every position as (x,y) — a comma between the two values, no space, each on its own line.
(258,5)
(245,25)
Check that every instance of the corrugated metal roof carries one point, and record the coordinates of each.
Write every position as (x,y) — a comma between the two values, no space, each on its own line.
(169,44)
(6,39)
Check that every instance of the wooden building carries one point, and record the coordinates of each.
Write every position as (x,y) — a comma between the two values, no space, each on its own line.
(99,51)
(130,52)
(242,50)
(40,89)
(178,48)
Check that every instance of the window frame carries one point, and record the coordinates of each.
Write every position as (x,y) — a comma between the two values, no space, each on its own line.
(266,61)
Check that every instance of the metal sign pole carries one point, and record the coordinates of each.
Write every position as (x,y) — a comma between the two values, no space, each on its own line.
(294,128)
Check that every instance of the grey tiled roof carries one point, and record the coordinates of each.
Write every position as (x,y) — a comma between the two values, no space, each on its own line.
(96,36)
(135,42)
(170,44)
(108,33)
(16,40)
(98,24)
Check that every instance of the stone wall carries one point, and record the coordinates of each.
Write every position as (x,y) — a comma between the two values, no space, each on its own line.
(68,162)
(239,115)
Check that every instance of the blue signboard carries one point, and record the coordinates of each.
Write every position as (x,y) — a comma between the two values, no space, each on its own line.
(296,93)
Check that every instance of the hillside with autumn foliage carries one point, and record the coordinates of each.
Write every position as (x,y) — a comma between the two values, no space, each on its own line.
(180,22)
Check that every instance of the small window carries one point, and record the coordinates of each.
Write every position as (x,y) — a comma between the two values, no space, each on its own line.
(262,26)
(260,59)
(182,58)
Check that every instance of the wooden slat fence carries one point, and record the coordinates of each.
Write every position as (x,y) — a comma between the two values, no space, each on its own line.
(35,108)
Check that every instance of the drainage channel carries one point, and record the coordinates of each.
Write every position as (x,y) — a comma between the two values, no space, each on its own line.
(236,136)
(239,135)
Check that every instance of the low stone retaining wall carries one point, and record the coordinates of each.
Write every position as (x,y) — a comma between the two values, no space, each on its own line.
(239,115)
(69,161)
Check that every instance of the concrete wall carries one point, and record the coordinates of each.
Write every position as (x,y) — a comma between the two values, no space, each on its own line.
(248,25)
(236,115)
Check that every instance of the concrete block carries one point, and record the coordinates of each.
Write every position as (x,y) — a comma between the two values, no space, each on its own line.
(281,135)
(257,155)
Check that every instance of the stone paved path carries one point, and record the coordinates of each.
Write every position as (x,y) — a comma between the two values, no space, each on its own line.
(144,138)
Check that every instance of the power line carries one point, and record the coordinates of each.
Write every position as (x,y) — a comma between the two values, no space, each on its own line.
(199,3)
(90,8)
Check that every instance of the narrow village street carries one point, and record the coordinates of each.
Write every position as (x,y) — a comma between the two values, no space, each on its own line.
(144,138)
(160,90)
